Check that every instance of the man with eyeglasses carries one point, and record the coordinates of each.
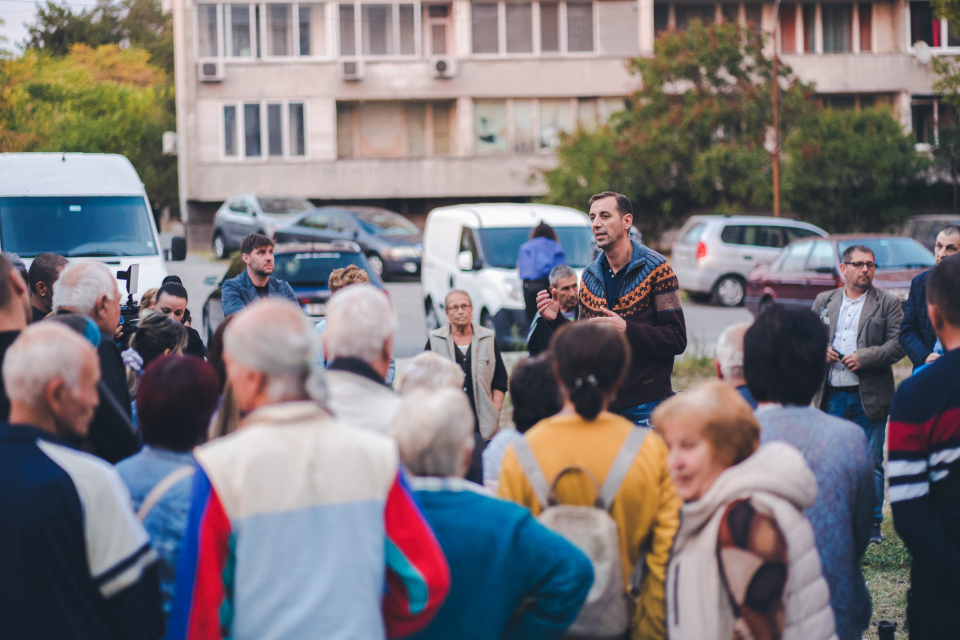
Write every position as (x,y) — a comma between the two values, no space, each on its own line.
(864,330)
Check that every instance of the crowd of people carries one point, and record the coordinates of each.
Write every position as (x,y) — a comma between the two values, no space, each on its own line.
(279,483)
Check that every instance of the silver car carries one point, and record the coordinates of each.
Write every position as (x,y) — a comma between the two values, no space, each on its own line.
(242,215)
(713,255)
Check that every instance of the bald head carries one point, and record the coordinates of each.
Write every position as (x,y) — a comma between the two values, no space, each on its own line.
(267,350)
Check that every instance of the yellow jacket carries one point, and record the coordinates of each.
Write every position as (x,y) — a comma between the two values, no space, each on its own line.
(646,507)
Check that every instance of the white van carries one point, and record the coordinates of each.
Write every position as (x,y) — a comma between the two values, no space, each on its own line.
(81,205)
(474,247)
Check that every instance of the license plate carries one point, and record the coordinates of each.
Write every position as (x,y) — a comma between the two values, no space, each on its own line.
(315,309)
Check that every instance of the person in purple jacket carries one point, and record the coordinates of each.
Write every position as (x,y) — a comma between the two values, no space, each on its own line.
(537,258)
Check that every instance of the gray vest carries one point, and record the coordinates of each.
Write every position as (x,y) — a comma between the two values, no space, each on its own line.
(482,365)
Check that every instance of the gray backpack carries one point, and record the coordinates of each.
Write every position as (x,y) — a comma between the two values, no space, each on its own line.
(607,610)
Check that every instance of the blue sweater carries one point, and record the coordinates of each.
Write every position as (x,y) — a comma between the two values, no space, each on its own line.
(500,558)
(836,451)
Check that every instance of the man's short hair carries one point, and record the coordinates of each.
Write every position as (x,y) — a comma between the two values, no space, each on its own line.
(46,268)
(561,271)
(359,322)
(81,284)
(730,350)
(433,429)
(848,252)
(172,289)
(943,285)
(951,230)
(784,355)
(623,202)
(454,292)
(43,351)
(253,242)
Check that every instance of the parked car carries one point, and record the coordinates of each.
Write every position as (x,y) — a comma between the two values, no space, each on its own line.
(393,245)
(82,205)
(924,229)
(242,215)
(713,255)
(474,247)
(805,268)
(307,267)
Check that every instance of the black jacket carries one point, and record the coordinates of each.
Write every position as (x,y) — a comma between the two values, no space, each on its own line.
(111,434)
(538,339)
(917,336)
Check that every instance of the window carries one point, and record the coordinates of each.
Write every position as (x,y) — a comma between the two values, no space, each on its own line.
(927,114)
(508,28)
(822,257)
(279,29)
(687,13)
(556,116)
(788,28)
(320,220)
(680,16)
(752,235)
(730,13)
(618,26)
(924,27)
(809,28)
(312,39)
(264,129)
(524,138)
(661,18)
(489,127)
(865,14)
(208,45)
(382,129)
(468,242)
(796,257)
(385,29)
(795,233)
(438,28)
(837,27)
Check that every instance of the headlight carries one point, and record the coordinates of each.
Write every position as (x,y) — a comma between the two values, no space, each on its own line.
(403,253)
(514,288)
(902,293)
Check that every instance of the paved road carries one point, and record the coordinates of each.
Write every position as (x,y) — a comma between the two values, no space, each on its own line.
(704,322)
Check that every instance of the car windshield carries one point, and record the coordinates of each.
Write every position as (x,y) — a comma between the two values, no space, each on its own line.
(386,223)
(313,269)
(77,226)
(284,206)
(501,245)
(892,253)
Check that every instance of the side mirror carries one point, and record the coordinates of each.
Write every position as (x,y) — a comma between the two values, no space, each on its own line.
(465,261)
(178,248)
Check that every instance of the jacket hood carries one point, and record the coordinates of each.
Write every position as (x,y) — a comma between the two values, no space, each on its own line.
(777,469)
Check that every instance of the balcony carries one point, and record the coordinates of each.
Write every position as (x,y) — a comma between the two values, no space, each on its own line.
(862,72)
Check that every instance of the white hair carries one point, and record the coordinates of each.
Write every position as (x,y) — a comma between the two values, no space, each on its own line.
(561,271)
(359,322)
(730,351)
(43,352)
(272,337)
(434,431)
(429,371)
(80,285)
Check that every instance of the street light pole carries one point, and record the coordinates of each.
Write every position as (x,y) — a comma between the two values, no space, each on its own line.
(776,113)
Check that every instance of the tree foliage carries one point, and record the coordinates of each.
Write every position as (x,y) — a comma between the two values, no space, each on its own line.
(695,134)
(850,170)
(103,100)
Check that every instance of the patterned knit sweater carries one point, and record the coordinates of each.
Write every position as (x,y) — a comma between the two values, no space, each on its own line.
(649,301)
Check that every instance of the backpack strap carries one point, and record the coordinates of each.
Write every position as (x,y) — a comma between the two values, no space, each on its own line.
(531,468)
(161,489)
(621,465)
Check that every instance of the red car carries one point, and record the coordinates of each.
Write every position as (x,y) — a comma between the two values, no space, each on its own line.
(807,267)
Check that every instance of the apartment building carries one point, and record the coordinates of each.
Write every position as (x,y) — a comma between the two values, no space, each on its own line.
(428,101)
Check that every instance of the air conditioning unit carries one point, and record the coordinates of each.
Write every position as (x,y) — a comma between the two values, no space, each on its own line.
(443,66)
(352,70)
(210,71)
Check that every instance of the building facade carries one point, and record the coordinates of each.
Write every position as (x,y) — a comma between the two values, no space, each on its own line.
(440,101)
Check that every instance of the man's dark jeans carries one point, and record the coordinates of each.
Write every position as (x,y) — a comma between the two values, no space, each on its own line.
(844,402)
(640,414)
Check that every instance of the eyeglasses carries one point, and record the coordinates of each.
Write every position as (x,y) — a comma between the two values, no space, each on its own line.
(861,265)
(457,307)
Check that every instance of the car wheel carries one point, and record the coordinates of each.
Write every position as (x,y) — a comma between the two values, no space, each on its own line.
(220,250)
(730,291)
(376,263)
(487,320)
(430,313)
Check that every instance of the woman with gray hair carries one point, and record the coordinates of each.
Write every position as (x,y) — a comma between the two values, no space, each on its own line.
(429,371)
(500,557)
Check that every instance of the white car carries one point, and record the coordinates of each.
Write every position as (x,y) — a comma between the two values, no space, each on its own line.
(474,247)
(81,205)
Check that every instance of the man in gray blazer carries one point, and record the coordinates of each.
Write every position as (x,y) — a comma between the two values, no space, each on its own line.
(864,330)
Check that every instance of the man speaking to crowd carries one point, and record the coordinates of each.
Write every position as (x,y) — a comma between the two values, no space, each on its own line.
(633,289)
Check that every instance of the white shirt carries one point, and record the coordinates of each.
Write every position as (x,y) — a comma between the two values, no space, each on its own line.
(845,340)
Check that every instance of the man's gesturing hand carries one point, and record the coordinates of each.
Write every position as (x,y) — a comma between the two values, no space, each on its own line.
(612,319)
(548,305)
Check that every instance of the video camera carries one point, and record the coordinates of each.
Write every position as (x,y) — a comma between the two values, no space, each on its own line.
(129,312)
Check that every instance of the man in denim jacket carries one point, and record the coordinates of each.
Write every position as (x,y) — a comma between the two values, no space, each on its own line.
(256,280)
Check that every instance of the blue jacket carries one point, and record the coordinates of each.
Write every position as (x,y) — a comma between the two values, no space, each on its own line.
(538,257)
(500,558)
(236,293)
(916,331)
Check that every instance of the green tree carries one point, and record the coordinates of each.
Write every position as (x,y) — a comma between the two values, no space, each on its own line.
(695,133)
(946,155)
(850,170)
(103,100)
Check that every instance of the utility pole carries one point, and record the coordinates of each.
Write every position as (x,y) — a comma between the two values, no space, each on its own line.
(776,111)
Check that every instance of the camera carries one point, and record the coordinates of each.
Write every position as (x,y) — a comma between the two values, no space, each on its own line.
(130,311)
